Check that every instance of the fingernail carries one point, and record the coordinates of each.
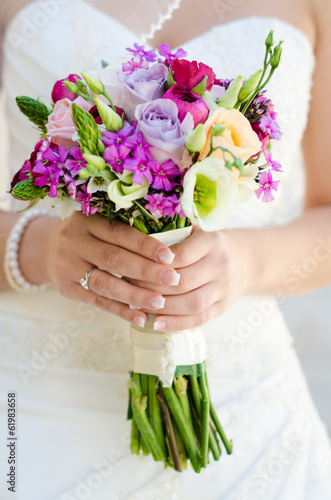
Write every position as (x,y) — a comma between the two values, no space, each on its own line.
(139,321)
(159,326)
(165,256)
(134,308)
(170,278)
(156,301)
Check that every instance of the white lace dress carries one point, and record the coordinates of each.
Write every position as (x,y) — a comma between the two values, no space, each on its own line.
(69,363)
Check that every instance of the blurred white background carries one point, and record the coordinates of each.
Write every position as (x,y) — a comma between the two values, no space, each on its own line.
(308,317)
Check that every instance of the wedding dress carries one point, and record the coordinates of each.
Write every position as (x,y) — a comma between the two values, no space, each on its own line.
(68,363)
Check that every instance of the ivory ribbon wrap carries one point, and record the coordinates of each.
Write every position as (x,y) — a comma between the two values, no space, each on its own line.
(158,353)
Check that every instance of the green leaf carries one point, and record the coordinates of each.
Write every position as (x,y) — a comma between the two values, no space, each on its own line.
(35,110)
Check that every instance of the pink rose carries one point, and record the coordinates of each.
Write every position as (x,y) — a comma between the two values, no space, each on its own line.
(60,126)
(189,74)
(188,102)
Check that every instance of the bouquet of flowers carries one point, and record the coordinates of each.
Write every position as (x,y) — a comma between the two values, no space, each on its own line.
(162,144)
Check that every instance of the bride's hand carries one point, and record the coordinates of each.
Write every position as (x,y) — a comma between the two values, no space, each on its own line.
(79,243)
(213,273)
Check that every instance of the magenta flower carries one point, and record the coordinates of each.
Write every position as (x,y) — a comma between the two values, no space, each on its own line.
(188,102)
(266,185)
(188,74)
(117,157)
(60,91)
(135,63)
(76,161)
(164,175)
(165,51)
(142,147)
(49,168)
(140,168)
(122,137)
(275,165)
(139,50)
(158,205)
(85,198)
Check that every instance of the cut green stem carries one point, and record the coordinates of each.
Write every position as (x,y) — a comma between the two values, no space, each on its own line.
(175,456)
(154,410)
(204,420)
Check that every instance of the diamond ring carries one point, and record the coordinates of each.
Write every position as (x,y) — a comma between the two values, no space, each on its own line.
(84,281)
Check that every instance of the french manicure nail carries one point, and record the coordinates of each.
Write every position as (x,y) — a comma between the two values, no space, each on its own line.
(156,302)
(165,256)
(159,326)
(139,321)
(134,308)
(170,278)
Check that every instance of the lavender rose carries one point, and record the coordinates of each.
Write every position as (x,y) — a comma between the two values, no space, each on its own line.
(143,85)
(161,127)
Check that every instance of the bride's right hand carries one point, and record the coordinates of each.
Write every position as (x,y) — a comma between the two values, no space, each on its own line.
(73,246)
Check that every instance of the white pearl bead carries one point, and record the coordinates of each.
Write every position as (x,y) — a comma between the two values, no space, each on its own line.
(12,254)
(20,280)
(13,245)
(170,369)
(15,236)
(13,264)
(169,343)
(16,273)
(169,356)
(26,286)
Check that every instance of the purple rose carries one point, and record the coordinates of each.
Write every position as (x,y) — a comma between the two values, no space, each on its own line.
(60,91)
(143,85)
(161,127)
(188,102)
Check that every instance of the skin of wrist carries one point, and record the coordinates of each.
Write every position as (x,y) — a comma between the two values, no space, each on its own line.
(36,247)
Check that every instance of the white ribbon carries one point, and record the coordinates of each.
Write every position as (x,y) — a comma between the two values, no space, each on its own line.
(159,354)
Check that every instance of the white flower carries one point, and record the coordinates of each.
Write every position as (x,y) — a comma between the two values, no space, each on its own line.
(210,192)
(100,181)
(123,195)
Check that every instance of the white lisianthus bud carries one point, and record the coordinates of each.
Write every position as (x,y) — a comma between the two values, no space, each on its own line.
(123,195)
(113,122)
(196,139)
(96,162)
(95,85)
(230,96)
(249,86)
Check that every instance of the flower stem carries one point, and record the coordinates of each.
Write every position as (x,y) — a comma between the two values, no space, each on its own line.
(204,420)
(135,437)
(139,405)
(155,415)
(148,215)
(144,392)
(228,444)
(170,432)
(183,426)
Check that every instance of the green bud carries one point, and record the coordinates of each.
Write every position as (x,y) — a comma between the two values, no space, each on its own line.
(141,226)
(95,85)
(95,161)
(169,227)
(249,86)
(196,139)
(84,173)
(270,40)
(170,79)
(101,146)
(218,130)
(201,87)
(35,110)
(25,190)
(276,56)
(113,122)
(71,86)
(230,96)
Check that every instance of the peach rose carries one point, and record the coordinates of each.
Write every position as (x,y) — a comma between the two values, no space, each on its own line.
(238,137)
(60,126)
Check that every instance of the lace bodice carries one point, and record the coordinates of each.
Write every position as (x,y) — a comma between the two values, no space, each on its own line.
(31,66)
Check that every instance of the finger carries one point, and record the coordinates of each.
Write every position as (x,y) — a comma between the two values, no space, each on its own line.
(179,323)
(192,302)
(191,278)
(114,259)
(193,248)
(128,237)
(114,288)
(112,306)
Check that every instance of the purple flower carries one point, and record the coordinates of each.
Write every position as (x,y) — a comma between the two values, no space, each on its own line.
(165,51)
(117,157)
(139,50)
(60,91)
(85,198)
(164,175)
(160,125)
(134,64)
(76,161)
(49,166)
(275,165)
(158,205)
(122,137)
(188,102)
(140,168)
(143,85)
(269,126)
(266,185)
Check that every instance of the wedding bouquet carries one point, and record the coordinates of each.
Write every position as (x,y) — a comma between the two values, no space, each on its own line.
(162,144)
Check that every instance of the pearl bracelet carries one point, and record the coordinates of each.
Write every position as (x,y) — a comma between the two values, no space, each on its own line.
(11,263)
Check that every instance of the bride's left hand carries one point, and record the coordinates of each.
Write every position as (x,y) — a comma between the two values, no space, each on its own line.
(213,274)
